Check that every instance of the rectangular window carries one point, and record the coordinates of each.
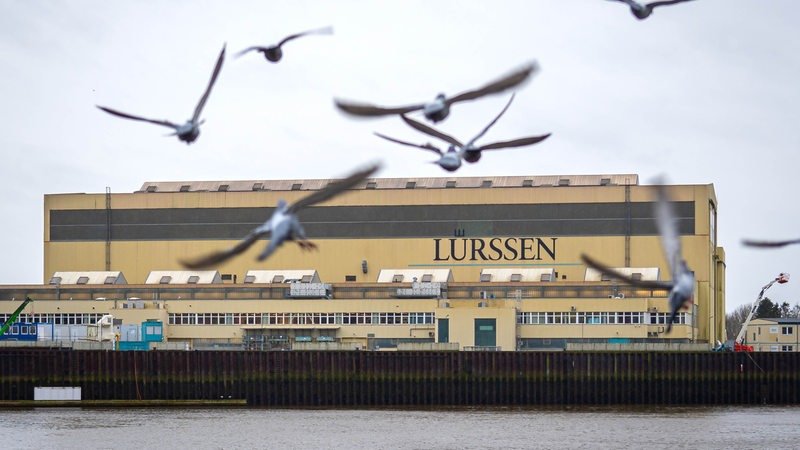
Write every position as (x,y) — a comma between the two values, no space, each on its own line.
(787,330)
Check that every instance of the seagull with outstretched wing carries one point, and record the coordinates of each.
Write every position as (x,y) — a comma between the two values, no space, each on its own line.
(643,10)
(449,160)
(274,53)
(283,225)
(766,244)
(439,108)
(190,130)
(469,151)
(681,287)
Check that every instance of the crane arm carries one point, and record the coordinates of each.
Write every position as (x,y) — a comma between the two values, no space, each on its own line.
(14,315)
(782,278)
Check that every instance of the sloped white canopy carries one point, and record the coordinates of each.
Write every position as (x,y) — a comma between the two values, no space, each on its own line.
(421,275)
(518,274)
(281,276)
(184,277)
(642,273)
(88,277)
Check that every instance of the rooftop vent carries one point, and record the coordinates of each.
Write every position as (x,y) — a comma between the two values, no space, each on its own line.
(605,181)
(297,186)
(110,280)
(515,277)
(397,278)
(185,188)
(223,187)
(486,277)
(563,182)
(55,280)
(486,183)
(82,280)
(277,279)
(411,184)
(249,279)
(546,277)
(427,278)
(371,184)
(527,183)
(165,279)
(450,184)
(193,279)
(151,188)
(258,186)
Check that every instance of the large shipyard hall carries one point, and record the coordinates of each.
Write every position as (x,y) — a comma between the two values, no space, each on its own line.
(447,263)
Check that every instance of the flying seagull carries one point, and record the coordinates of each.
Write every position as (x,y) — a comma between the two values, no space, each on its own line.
(283,225)
(449,160)
(469,151)
(274,53)
(681,287)
(643,10)
(439,109)
(188,131)
(752,243)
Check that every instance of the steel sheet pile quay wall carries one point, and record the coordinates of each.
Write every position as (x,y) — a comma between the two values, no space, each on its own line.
(338,378)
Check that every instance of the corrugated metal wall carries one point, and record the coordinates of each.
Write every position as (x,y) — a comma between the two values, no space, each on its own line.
(309,378)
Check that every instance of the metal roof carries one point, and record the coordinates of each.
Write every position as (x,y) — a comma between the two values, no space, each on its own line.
(392,183)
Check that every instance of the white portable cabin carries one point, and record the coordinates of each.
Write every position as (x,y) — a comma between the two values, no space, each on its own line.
(88,277)
(184,277)
(637,273)
(281,276)
(415,276)
(504,275)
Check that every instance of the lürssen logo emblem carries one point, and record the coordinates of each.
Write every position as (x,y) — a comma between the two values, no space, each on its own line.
(494,249)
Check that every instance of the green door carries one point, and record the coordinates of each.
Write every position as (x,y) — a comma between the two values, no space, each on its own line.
(485,332)
(444,330)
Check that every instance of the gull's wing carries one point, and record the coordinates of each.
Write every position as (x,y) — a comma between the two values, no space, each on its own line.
(202,102)
(419,126)
(667,225)
(752,243)
(398,141)
(492,122)
(249,49)
(665,2)
(521,142)
(333,189)
(326,30)
(366,109)
(622,277)
(165,123)
(499,85)
(222,255)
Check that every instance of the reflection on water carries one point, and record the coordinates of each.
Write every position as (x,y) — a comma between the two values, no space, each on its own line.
(612,427)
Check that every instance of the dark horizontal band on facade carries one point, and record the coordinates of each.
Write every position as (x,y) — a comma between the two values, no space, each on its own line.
(370,222)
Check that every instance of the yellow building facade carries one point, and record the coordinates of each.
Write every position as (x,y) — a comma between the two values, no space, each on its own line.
(510,246)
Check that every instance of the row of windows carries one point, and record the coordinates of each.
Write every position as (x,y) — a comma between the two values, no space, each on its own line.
(539,318)
(57,318)
(301,318)
(20,330)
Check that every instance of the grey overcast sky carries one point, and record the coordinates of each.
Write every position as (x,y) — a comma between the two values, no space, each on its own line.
(702,92)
